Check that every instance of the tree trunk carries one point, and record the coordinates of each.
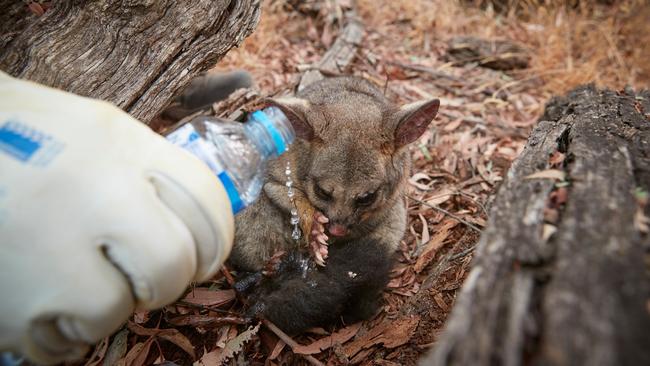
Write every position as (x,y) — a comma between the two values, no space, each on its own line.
(562,275)
(136,54)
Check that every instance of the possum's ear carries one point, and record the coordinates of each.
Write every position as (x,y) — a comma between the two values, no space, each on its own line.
(296,111)
(413,120)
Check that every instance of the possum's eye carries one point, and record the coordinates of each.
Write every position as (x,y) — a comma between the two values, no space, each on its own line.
(321,193)
(366,199)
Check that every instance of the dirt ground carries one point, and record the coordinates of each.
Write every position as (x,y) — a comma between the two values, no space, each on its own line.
(484,118)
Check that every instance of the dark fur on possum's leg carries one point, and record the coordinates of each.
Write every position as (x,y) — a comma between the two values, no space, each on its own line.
(205,90)
(211,87)
(298,298)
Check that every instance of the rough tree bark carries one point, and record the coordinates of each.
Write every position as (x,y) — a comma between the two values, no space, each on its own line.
(559,277)
(136,54)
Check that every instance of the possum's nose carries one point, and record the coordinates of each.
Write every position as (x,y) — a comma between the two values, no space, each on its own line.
(337,230)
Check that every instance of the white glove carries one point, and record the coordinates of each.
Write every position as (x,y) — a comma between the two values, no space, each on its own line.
(98,215)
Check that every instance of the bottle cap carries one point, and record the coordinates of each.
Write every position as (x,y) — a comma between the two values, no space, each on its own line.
(276,136)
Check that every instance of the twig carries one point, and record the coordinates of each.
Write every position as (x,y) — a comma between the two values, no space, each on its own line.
(463,253)
(479,204)
(452,90)
(203,307)
(325,72)
(205,321)
(426,70)
(227,275)
(469,119)
(290,342)
(438,208)
(526,79)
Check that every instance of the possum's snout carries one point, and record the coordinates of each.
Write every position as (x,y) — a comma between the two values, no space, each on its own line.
(338,230)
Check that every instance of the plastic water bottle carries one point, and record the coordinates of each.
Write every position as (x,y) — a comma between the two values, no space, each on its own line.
(237,152)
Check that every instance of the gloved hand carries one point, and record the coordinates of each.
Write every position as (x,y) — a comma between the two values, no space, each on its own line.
(98,215)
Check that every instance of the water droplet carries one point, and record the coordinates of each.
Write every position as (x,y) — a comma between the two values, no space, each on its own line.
(295,235)
(304,266)
(290,193)
(294,212)
(287,172)
(289,183)
(294,220)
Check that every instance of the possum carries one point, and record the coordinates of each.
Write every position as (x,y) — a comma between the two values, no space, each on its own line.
(349,166)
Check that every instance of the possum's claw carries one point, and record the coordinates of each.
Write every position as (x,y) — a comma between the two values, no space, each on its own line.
(318,239)
(321,218)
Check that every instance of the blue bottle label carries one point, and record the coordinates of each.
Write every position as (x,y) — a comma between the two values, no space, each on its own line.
(189,139)
(28,145)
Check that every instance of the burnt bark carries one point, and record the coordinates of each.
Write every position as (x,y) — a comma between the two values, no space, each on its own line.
(136,54)
(570,288)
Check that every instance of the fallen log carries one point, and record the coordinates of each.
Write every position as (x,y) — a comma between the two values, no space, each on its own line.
(562,274)
(493,54)
(136,54)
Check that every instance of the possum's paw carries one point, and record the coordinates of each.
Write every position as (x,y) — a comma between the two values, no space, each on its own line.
(247,282)
(255,311)
(274,264)
(318,239)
